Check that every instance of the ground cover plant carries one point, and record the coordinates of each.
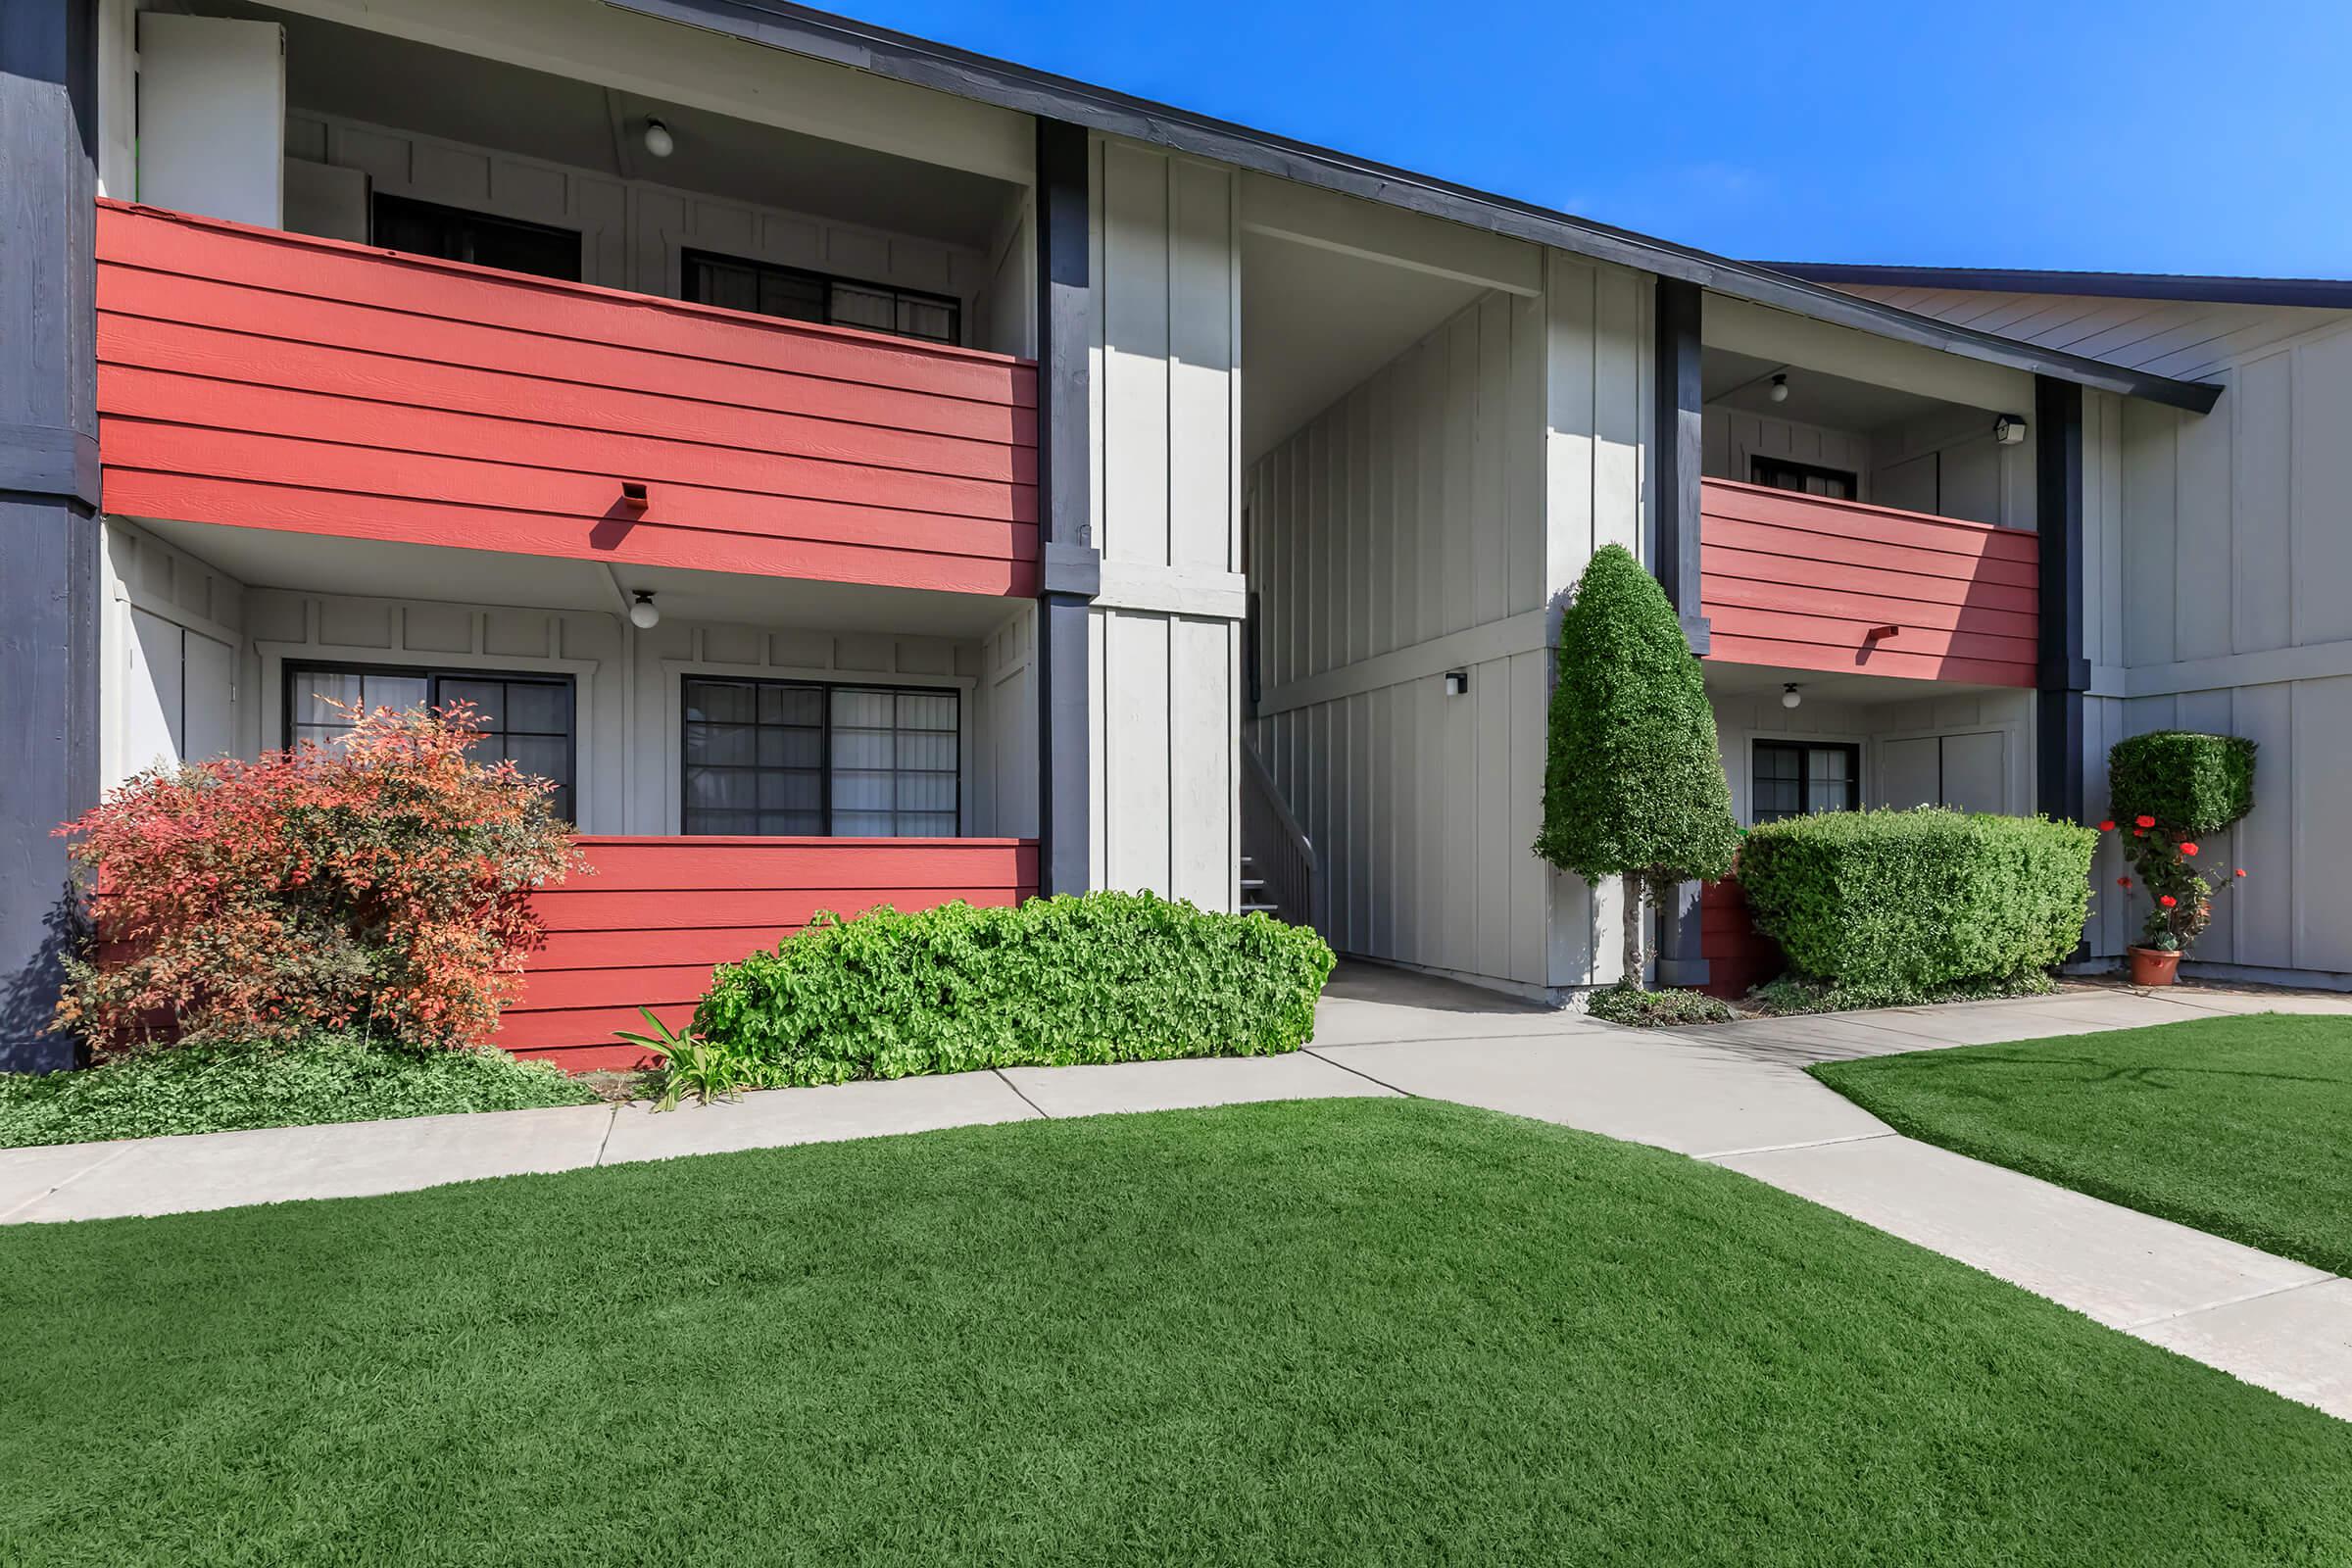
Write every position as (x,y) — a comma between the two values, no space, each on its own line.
(1656,1009)
(1094,978)
(2234,1126)
(1789,996)
(217,1086)
(1921,899)
(1321,1332)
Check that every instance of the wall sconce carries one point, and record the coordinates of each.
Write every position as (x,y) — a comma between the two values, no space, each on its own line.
(644,613)
(1790,696)
(1458,681)
(2008,430)
(657,140)
(1779,387)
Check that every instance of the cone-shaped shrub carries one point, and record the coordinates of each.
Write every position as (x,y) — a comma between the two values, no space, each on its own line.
(1633,783)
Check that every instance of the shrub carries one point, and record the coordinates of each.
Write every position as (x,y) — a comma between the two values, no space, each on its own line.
(1637,1009)
(2168,790)
(1633,781)
(1099,977)
(321,1078)
(2189,782)
(1789,996)
(1921,899)
(381,884)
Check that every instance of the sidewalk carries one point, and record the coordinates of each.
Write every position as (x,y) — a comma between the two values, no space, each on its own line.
(1732,1095)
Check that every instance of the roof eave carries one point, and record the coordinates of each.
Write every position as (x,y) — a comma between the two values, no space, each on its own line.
(919,62)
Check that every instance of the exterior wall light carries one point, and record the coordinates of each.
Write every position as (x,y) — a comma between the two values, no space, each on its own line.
(1779,387)
(1790,696)
(645,615)
(657,140)
(2008,430)
(1458,681)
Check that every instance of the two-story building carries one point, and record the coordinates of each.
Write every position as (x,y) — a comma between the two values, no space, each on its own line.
(857,471)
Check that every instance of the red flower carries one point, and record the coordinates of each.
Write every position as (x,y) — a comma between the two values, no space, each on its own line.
(2139,832)
(2145,821)
(2168,901)
(2107,826)
(2188,849)
(2124,881)
(2242,870)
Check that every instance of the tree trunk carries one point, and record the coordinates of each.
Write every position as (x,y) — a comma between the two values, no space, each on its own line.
(1633,930)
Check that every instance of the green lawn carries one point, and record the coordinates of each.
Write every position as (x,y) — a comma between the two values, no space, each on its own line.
(2238,1126)
(1326,1332)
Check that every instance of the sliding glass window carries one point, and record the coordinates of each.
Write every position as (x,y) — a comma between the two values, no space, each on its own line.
(795,758)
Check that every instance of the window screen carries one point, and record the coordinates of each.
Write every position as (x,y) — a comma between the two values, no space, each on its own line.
(525,719)
(1837,484)
(428,228)
(798,296)
(1789,779)
(797,758)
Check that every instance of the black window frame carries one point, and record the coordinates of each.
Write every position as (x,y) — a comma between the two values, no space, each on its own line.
(465,218)
(432,675)
(1804,776)
(690,255)
(1761,469)
(825,759)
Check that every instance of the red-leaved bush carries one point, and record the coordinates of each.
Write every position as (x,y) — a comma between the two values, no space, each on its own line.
(379,883)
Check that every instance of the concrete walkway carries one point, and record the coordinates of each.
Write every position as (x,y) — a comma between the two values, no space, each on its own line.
(1732,1095)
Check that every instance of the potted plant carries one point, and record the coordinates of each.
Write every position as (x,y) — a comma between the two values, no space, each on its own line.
(2171,790)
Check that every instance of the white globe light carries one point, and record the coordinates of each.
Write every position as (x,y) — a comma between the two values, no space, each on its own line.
(1790,696)
(1780,389)
(657,140)
(645,615)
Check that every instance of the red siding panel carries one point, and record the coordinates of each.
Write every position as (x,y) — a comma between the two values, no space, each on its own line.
(646,927)
(1740,957)
(273,380)
(1803,582)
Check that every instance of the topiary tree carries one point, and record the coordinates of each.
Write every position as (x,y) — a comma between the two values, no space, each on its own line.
(1633,783)
(2168,790)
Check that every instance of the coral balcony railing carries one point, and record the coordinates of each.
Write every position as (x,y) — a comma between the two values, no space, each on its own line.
(274,381)
(646,926)
(1803,582)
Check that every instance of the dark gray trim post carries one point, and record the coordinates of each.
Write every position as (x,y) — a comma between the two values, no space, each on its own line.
(2065,666)
(1676,427)
(1071,568)
(48,498)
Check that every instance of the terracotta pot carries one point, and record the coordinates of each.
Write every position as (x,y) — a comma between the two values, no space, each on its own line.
(2154,966)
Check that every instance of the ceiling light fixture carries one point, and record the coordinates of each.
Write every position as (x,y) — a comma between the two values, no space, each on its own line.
(1790,696)
(1779,387)
(657,140)
(645,615)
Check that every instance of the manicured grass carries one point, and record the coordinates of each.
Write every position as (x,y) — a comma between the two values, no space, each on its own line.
(2236,1126)
(1326,1332)
(326,1078)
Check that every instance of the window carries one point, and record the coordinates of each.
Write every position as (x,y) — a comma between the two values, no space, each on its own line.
(1791,780)
(798,296)
(771,756)
(1839,484)
(526,720)
(454,235)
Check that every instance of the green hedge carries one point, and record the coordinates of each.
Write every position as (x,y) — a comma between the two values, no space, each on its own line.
(1919,900)
(1100,977)
(2191,783)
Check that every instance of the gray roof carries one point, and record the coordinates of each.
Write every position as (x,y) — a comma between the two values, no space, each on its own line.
(902,57)
(2323,293)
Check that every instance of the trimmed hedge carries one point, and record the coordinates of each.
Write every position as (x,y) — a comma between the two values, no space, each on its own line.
(1919,900)
(1633,781)
(1095,978)
(2191,783)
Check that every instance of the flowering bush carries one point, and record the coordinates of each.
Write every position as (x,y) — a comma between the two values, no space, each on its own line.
(381,884)
(2171,790)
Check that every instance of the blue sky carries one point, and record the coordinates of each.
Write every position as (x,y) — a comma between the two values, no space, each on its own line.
(2161,136)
